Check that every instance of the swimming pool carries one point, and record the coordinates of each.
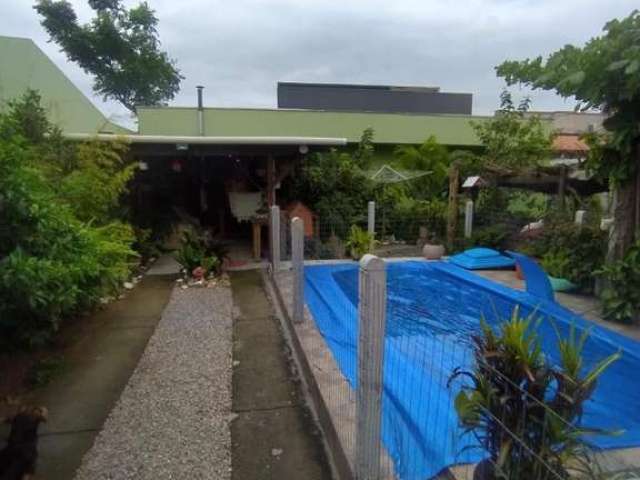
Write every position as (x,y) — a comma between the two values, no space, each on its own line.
(433,309)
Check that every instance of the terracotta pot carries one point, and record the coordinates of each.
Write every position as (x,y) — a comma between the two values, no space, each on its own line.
(519,274)
(432,252)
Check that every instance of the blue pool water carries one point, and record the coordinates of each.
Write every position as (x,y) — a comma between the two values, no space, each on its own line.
(433,309)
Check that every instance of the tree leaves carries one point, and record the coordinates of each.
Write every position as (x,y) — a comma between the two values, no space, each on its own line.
(119,47)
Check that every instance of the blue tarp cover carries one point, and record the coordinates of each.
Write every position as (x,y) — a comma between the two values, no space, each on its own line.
(433,309)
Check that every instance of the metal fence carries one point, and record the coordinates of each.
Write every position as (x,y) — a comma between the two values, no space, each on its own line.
(389,389)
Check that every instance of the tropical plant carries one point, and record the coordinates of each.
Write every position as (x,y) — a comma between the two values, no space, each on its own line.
(359,242)
(193,253)
(604,74)
(524,411)
(120,48)
(431,158)
(621,296)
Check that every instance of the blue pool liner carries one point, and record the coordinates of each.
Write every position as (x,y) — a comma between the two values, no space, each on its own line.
(433,309)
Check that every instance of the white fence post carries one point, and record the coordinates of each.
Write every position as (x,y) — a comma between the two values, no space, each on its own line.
(468,219)
(579,218)
(297,265)
(275,238)
(372,319)
(371,217)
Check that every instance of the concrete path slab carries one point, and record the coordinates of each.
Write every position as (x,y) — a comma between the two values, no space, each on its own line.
(97,366)
(274,436)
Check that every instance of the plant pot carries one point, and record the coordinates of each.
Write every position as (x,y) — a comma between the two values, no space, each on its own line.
(484,470)
(519,274)
(432,252)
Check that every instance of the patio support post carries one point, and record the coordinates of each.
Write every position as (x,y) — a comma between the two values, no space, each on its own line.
(468,219)
(275,238)
(371,217)
(271,180)
(297,265)
(372,319)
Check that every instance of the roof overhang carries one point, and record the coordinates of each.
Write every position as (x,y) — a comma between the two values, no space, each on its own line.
(202,140)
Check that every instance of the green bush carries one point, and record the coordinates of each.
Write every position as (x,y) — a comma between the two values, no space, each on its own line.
(494,236)
(621,297)
(569,251)
(52,264)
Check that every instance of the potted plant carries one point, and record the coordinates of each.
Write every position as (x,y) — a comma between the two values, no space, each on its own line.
(432,250)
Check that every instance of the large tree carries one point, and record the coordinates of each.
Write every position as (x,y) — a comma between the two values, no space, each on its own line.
(119,47)
(603,74)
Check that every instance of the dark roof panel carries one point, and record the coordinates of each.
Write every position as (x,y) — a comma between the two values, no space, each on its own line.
(372,98)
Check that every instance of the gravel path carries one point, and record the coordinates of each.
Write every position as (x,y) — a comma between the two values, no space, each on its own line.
(172,420)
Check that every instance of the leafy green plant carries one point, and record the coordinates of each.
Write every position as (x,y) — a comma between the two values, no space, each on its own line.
(52,264)
(621,297)
(513,140)
(602,73)
(359,242)
(569,251)
(494,236)
(119,47)
(522,409)
(193,253)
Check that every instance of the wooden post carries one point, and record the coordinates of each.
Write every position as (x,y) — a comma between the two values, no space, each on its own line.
(372,320)
(297,265)
(271,180)
(468,219)
(452,214)
(371,217)
(274,225)
(257,240)
(562,186)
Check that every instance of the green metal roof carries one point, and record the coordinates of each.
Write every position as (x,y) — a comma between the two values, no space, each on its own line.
(390,128)
(23,65)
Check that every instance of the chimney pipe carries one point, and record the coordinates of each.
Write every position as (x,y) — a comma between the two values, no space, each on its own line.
(200,111)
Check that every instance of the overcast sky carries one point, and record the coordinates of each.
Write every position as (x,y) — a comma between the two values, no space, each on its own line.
(240,49)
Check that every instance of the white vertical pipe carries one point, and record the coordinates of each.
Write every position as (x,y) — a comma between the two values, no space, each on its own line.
(372,319)
(468,219)
(371,217)
(297,264)
(275,237)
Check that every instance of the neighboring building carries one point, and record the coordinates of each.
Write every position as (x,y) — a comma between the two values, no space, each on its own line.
(372,98)
(24,66)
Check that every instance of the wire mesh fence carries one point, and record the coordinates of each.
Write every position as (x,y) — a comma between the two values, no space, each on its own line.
(428,361)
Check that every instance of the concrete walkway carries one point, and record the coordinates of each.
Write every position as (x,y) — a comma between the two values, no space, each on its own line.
(273,436)
(97,368)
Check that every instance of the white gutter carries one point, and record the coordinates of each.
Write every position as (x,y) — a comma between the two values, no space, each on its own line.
(197,140)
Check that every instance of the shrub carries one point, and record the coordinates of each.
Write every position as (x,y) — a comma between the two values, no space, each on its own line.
(621,297)
(52,264)
(522,409)
(494,236)
(193,253)
(569,251)
(360,242)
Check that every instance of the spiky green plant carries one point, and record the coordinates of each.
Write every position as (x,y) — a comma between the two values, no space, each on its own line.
(523,410)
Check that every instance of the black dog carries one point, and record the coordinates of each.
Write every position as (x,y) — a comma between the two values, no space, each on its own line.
(18,458)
